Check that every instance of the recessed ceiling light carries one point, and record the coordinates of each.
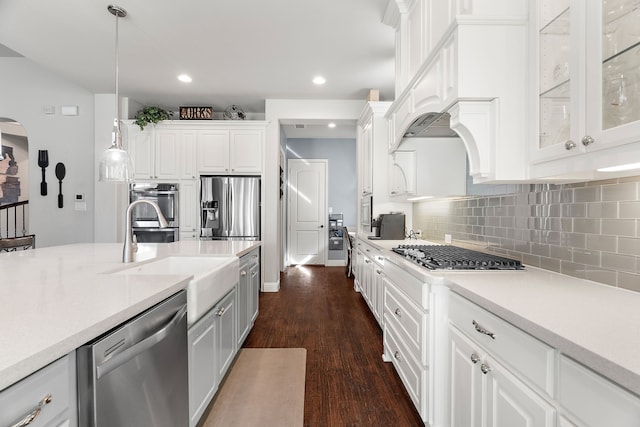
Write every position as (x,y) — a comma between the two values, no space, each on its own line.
(184,78)
(331,125)
(319,80)
(626,167)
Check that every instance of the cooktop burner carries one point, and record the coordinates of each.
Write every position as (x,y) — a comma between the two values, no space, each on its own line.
(445,257)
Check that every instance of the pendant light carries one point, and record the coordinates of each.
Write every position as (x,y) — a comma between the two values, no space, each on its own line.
(115,163)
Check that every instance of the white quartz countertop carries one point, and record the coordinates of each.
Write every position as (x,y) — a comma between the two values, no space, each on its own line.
(595,324)
(56,299)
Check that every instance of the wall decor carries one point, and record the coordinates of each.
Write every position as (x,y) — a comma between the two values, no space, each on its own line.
(151,115)
(233,112)
(196,113)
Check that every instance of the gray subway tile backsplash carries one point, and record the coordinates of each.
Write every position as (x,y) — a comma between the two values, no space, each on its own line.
(588,230)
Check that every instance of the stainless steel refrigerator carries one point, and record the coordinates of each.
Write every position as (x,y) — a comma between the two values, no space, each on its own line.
(230,207)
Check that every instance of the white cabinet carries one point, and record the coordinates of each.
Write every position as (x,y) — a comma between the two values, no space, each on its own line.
(594,400)
(248,293)
(189,201)
(498,375)
(52,389)
(203,379)
(407,338)
(212,347)
(483,392)
(161,152)
(370,275)
(439,68)
(230,151)
(587,87)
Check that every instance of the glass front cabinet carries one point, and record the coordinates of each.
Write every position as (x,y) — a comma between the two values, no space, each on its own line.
(586,68)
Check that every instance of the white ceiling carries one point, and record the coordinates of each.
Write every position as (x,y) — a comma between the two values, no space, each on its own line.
(237,52)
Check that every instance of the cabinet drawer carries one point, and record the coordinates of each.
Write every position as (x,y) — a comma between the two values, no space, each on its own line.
(416,290)
(525,354)
(414,377)
(408,318)
(56,380)
(595,400)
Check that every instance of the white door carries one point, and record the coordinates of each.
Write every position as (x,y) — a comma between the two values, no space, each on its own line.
(307,211)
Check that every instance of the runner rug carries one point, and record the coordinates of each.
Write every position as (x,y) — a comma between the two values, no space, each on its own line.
(265,387)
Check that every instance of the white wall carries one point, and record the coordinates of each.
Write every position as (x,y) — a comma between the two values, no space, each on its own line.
(288,109)
(26,89)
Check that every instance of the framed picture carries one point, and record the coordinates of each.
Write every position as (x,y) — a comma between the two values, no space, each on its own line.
(196,113)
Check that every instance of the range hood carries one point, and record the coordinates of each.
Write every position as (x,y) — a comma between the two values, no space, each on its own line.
(435,125)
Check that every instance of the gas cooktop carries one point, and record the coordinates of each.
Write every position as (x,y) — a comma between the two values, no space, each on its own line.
(445,257)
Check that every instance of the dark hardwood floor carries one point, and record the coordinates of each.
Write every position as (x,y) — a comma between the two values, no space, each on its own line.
(347,383)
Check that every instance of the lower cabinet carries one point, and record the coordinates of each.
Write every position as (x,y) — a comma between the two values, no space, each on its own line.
(212,347)
(48,396)
(248,293)
(369,278)
(483,392)
(593,400)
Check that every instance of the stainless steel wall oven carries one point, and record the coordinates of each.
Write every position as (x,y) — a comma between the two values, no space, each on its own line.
(146,228)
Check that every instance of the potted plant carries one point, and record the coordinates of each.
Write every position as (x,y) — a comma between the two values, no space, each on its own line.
(151,115)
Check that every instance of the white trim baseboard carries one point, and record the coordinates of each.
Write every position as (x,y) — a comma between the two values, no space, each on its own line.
(335,263)
(271,286)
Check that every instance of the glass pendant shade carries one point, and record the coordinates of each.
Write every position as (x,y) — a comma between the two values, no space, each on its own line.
(115,164)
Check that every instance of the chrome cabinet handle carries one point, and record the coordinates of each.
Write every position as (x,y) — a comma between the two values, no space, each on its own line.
(221,311)
(485,368)
(31,416)
(569,145)
(397,356)
(378,271)
(587,140)
(397,312)
(243,273)
(482,330)
(475,358)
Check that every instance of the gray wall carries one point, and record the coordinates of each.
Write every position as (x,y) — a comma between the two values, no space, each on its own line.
(341,154)
(26,89)
(588,230)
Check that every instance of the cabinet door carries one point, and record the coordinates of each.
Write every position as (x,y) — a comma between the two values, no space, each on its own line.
(226,314)
(509,402)
(167,154)
(188,166)
(613,81)
(465,381)
(254,272)
(203,381)
(366,158)
(140,146)
(243,294)
(245,151)
(188,206)
(213,151)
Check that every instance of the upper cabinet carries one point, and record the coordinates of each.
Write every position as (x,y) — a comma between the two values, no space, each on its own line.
(586,57)
(468,59)
(174,150)
(230,151)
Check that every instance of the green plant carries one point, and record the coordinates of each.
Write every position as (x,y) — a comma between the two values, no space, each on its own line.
(151,115)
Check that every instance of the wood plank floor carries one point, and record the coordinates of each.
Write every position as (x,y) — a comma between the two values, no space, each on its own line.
(347,383)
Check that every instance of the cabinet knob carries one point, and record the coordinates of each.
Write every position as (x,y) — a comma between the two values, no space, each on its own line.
(475,358)
(221,311)
(485,368)
(397,356)
(569,145)
(587,140)
(243,273)
(397,312)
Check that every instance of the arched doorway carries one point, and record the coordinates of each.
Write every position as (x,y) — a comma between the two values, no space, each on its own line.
(14,187)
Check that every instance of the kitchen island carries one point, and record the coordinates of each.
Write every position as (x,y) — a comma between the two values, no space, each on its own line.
(55,299)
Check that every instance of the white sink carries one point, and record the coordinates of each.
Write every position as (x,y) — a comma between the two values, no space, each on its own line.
(212,278)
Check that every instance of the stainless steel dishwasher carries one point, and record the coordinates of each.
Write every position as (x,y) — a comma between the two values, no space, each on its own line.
(137,374)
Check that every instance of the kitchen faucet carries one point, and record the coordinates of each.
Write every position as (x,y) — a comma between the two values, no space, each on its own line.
(130,245)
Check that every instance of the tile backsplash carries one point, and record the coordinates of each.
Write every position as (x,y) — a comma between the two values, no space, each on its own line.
(589,230)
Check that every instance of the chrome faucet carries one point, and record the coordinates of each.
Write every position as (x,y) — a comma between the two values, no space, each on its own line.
(130,245)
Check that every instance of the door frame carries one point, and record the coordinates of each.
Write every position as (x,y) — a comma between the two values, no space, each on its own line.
(325,222)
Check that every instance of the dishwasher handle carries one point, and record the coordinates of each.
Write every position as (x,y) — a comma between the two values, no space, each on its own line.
(111,364)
